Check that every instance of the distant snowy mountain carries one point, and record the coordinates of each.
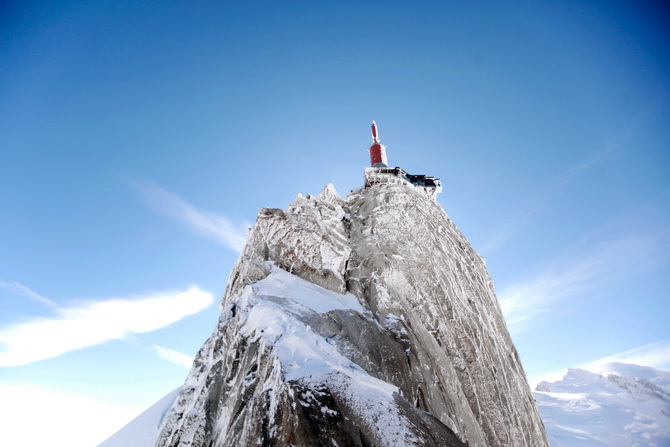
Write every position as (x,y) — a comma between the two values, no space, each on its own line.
(619,405)
(615,405)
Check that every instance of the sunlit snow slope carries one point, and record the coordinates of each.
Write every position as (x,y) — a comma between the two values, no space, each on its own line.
(142,431)
(619,405)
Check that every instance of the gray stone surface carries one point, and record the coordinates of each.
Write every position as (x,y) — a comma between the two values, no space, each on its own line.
(430,330)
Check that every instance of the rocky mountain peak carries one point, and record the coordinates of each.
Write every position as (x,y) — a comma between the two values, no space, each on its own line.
(361,321)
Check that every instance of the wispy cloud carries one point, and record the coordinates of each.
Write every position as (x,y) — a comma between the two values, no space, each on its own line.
(19,289)
(655,355)
(172,356)
(95,322)
(567,282)
(544,194)
(207,224)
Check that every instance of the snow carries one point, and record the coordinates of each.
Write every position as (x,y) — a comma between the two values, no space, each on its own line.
(373,402)
(300,296)
(273,305)
(273,310)
(301,351)
(329,190)
(142,431)
(615,405)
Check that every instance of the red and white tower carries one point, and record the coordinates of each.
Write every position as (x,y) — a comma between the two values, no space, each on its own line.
(377,150)
(380,173)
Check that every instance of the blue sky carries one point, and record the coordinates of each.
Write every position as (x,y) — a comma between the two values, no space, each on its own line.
(139,139)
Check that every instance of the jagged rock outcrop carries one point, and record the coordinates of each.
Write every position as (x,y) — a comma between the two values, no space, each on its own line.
(368,321)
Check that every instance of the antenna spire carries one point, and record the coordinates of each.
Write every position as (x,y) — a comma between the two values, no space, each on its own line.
(375,134)
(377,150)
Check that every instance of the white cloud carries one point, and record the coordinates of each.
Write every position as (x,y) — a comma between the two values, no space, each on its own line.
(655,355)
(172,356)
(569,281)
(39,416)
(205,223)
(95,322)
(21,290)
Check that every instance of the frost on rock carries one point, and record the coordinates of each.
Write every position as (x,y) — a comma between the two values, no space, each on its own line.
(417,272)
(368,321)
(308,239)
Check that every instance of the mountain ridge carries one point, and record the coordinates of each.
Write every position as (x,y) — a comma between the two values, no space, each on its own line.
(419,355)
(614,404)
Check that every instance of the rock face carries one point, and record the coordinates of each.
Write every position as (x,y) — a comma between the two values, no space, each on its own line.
(368,321)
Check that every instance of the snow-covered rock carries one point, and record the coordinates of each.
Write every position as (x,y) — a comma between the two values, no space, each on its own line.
(368,321)
(615,405)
